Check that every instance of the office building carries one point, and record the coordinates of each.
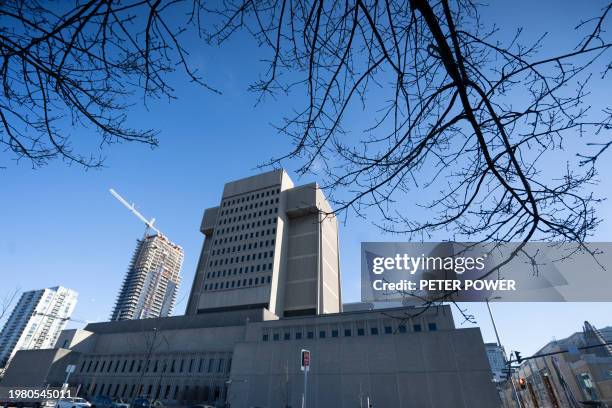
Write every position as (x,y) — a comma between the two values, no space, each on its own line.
(267,286)
(497,361)
(269,245)
(36,321)
(151,283)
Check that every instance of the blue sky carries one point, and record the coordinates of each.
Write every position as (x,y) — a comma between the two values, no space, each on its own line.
(60,225)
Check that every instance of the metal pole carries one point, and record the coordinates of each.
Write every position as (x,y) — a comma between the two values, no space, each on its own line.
(493,321)
(518,400)
(305,387)
(66,385)
(516,395)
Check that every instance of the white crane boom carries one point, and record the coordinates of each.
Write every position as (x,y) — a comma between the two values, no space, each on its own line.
(132,208)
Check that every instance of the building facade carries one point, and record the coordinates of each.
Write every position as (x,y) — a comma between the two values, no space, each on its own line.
(151,283)
(575,377)
(497,361)
(269,245)
(400,357)
(36,321)
(267,285)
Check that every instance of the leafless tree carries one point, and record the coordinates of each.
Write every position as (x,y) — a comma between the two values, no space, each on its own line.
(69,68)
(450,106)
(6,305)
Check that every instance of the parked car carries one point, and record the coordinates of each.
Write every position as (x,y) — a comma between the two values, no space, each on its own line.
(73,403)
(146,403)
(104,401)
(202,406)
(50,403)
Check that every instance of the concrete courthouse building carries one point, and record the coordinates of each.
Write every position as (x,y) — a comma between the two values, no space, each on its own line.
(268,285)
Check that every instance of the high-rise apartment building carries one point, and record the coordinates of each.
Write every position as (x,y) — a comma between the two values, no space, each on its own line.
(269,245)
(36,321)
(151,283)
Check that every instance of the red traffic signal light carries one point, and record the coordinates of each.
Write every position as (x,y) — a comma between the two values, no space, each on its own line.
(305,360)
(522,383)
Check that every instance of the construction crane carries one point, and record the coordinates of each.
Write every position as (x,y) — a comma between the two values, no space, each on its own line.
(132,208)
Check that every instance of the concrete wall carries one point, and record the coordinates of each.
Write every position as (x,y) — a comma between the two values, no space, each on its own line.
(37,368)
(304,276)
(442,369)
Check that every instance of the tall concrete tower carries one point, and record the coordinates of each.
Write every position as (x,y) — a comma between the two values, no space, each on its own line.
(36,321)
(268,245)
(151,283)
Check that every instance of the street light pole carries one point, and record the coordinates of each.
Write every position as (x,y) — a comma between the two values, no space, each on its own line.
(516,396)
(493,321)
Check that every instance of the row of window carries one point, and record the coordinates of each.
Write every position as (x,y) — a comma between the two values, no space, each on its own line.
(239,283)
(192,365)
(250,197)
(253,206)
(346,332)
(242,227)
(166,392)
(251,245)
(243,258)
(239,270)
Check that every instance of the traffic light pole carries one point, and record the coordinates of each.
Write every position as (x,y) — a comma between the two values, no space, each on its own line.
(511,377)
(305,388)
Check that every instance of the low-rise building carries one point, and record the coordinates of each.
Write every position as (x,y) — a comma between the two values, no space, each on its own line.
(572,372)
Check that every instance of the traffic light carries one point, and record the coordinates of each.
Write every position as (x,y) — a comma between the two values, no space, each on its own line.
(522,383)
(519,359)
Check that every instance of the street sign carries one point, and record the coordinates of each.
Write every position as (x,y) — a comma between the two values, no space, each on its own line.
(70,368)
(305,360)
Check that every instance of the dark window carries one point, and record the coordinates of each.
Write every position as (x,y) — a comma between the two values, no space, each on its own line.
(347,332)
(417,327)
(287,336)
(265,337)
(374,331)
(432,327)
(388,330)
(360,332)
(401,328)
(310,335)
(221,365)
(334,333)
(298,335)
(276,337)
